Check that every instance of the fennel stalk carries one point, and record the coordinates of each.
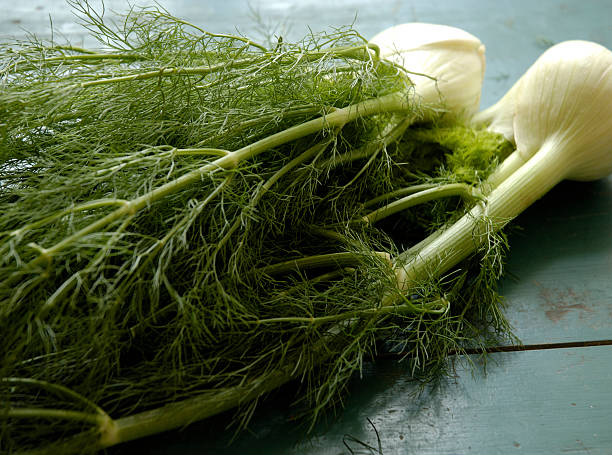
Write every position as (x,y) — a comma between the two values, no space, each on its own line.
(181,227)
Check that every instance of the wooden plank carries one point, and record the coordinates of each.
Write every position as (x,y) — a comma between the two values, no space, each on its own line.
(560,266)
(536,402)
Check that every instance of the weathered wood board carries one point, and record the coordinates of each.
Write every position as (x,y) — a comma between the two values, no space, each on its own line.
(537,402)
(560,288)
(559,283)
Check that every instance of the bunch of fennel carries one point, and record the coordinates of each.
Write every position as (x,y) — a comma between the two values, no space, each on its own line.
(190,220)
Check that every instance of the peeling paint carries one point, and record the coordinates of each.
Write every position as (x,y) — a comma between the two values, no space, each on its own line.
(558,303)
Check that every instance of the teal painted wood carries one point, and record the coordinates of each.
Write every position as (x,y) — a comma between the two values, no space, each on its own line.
(536,402)
(541,402)
(559,283)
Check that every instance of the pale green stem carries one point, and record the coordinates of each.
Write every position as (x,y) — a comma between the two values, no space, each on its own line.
(438,307)
(452,189)
(358,52)
(182,413)
(330,234)
(391,133)
(349,157)
(75,49)
(395,102)
(399,193)
(166,72)
(61,414)
(160,243)
(78,208)
(363,168)
(67,285)
(148,154)
(510,165)
(405,255)
(55,388)
(264,118)
(325,277)
(200,151)
(320,260)
(92,56)
(88,55)
(312,151)
(151,252)
(329,276)
(517,192)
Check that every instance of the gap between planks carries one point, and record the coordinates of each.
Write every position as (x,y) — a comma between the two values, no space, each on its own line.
(516,348)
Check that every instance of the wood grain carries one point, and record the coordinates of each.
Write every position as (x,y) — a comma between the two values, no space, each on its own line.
(560,264)
(559,267)
(537,402)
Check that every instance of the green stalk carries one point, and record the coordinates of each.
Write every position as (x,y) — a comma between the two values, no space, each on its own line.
(319,260)
(182,413)
(78,208)
(399,193)
(452,189)
(510,165)
(61,414)
(392,132)
(517,192)
(199,151)
(55,388)
(92,56)
(82,50)
(179,414)
(394,102)
(165,72)
(356,52)
(312,151)
(207,404)
(438,307)
(330,234)
(147,154)
(305,110)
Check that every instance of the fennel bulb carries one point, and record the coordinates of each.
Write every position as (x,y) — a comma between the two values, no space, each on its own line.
(445,63)
(562,124)
(563,98)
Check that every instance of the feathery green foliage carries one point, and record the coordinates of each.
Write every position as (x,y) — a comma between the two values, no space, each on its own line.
(182,224)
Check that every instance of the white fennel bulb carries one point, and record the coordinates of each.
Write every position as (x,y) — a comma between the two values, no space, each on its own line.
(565,103)
(447,64)
(562,123)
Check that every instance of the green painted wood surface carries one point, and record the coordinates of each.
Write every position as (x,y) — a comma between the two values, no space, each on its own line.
(560,287)
(537,402)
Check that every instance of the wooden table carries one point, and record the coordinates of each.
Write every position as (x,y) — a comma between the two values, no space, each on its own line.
(553,397)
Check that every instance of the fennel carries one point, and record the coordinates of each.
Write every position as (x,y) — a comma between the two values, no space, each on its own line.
(181,227)
(561,122)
